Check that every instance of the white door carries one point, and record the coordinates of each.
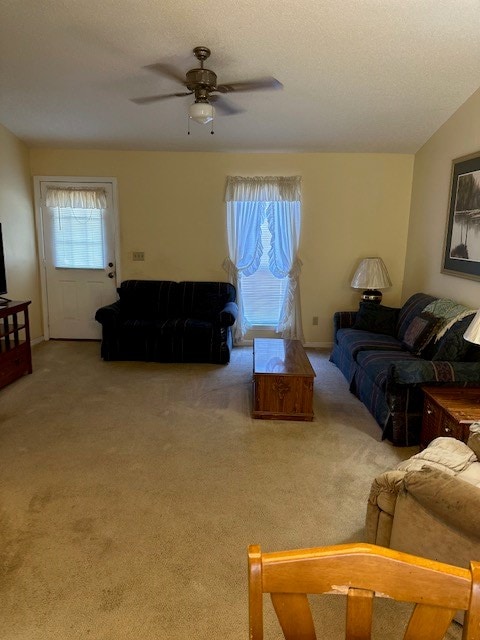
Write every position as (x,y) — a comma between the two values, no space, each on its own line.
(78,258)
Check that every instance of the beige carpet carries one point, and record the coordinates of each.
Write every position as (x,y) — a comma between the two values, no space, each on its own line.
(130,491)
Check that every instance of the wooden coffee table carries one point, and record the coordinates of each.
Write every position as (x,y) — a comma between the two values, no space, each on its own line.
(282,380)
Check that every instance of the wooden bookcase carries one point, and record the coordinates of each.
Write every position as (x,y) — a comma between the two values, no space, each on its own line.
(15,352)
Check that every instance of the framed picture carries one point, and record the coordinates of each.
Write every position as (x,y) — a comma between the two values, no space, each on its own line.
(462,237)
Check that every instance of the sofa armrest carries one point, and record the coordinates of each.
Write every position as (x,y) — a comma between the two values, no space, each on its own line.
(108,315)
(449,498)
(433,371)
(343,320)
(381,506)
(228,314)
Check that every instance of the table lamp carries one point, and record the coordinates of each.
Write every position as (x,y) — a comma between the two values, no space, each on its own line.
(371,275)
(472,334)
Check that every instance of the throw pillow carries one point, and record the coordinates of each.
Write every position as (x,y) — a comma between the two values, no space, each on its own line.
(376,318)
(419,333)
(452,347)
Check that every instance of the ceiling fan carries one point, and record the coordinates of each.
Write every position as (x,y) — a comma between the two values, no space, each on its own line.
(202,83)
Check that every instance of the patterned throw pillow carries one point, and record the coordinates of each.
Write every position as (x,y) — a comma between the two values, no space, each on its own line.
(419,333)
(376,318)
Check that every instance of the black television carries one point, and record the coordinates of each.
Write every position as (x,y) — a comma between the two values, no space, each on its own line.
(3,275)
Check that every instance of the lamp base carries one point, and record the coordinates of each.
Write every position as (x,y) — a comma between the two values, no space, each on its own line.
(372,295)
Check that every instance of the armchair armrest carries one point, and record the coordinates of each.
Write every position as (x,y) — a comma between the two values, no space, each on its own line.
(381,506)
(108,315)
(433,371)
(228,314)
(343,320)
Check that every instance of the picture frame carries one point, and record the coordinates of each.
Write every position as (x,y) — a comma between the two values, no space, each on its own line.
(461,256)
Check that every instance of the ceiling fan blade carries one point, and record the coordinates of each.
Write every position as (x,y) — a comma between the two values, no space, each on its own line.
(223,106)
(166,70)
(250,85)
(149,99)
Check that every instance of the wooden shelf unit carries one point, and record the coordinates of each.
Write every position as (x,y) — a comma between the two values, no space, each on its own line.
(15,351)
(449,411)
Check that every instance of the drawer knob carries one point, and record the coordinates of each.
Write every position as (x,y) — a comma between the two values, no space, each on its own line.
(448,430)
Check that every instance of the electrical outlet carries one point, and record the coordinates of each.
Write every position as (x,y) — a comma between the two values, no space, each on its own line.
(315,320)
(138,256)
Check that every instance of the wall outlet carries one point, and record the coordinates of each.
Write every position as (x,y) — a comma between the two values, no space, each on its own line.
(315,320)
(138,255)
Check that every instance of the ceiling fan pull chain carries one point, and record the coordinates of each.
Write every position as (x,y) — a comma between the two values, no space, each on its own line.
(188,125)
(212,131)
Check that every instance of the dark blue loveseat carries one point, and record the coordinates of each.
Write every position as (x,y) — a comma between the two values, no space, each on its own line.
(165,321)
(386,364)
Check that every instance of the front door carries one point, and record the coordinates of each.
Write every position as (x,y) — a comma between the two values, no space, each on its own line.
(79,259)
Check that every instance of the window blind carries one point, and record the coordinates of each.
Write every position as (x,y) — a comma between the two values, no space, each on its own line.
(77,238)
(263,293)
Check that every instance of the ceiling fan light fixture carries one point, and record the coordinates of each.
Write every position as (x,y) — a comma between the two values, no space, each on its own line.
(201,112)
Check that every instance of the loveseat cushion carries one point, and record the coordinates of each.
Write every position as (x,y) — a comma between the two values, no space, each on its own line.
(204,300)
(353,341)
(376,318)
(376,364)
(148,299)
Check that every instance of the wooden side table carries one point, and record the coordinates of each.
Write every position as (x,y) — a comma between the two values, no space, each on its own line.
(15,353)
(449,411)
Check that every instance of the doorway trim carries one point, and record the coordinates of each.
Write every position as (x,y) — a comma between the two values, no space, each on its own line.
(37,182)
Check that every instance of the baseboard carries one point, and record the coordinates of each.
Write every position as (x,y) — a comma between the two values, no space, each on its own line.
(37,341)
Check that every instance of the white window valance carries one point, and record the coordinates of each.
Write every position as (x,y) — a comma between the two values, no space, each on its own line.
(263,189)
(76,198)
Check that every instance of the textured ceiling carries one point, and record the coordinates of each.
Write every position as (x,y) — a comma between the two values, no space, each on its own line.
(358,75)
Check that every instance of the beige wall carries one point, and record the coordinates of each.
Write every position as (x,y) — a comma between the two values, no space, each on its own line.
(18,226)
(171,207)
(458,137)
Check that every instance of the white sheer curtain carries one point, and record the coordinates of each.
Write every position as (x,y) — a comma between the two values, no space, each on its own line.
(284,224)
(244,219)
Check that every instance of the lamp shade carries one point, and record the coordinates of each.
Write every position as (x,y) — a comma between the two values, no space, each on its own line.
(472,334)
(201,112)
(371,273)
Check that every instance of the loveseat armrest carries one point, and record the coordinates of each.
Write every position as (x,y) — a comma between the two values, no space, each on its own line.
(381,507)
(449,498)
(108,315)
(343,320)
(228,315)
(420,371)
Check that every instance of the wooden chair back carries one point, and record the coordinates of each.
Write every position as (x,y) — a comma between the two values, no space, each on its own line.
(361,571)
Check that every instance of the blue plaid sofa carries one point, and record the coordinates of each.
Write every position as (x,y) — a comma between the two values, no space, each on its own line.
(386,363)
(165,321)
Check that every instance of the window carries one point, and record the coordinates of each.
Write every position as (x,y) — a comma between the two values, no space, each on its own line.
(77,237)
(262,292)
(77,225)
(263,225)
